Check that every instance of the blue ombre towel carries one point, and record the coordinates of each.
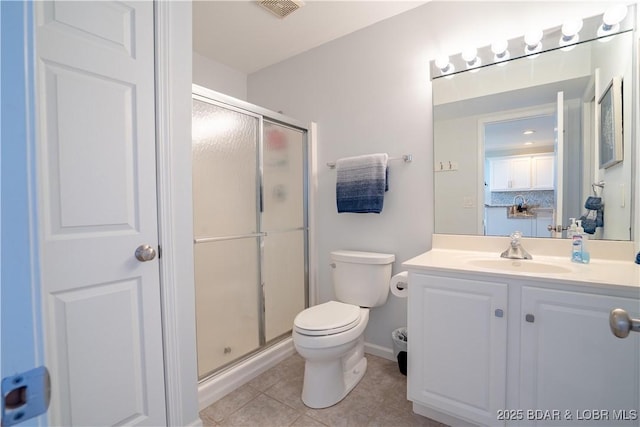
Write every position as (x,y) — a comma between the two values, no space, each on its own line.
(361,183)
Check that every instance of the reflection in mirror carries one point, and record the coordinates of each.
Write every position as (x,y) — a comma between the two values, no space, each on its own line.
(516,145)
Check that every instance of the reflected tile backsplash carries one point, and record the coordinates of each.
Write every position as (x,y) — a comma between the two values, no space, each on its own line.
(542,198)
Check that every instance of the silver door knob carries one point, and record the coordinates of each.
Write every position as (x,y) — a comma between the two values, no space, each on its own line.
(145,253)
(621,324)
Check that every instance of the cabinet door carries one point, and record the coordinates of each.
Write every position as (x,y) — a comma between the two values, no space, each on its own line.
(457,350)
(570,360)
(520,168)
(542,172)
(510,173)
(500,174)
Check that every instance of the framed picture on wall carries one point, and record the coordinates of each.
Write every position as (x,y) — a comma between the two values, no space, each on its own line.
(610,131)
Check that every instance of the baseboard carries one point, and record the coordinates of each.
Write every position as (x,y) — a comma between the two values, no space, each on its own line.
(440,416)
(376,350)
(196,423)
(217,387)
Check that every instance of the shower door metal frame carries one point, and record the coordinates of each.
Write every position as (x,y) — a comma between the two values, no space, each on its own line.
(209,96)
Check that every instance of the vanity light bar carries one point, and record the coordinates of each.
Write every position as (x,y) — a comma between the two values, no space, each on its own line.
(532,45)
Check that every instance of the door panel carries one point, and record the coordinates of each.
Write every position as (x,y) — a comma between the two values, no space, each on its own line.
(284,279)
(224,171)
(81,199)
(283,178)
(227,310)
(97,190)
(97,355)
(458,342)
(569,358)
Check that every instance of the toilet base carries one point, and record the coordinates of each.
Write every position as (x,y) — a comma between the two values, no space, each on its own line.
(326,384)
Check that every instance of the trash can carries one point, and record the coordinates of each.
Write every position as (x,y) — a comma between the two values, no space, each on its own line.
(399,337)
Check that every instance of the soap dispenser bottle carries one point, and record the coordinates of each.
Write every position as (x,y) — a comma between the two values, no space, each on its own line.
(576,245)
(584,256)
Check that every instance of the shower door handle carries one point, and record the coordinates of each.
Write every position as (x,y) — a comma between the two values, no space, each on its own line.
(198,240)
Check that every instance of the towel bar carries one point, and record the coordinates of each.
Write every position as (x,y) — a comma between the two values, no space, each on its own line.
(407,158)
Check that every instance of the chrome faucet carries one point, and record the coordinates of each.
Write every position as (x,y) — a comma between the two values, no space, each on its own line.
(515,249)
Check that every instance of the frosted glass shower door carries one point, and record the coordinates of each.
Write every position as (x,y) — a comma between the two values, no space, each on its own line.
(283,220)
(227,238)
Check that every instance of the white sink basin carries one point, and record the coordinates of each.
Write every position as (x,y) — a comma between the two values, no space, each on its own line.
(516,265)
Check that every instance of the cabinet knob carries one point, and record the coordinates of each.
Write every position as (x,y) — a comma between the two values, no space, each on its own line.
(621,324)
(530,318)
(499,312)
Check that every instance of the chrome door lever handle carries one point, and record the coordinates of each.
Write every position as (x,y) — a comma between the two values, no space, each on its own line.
(145,253)
(621,324)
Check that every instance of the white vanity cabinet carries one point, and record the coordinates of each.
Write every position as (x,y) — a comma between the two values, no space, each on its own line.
(570,361)
(482,344)
(458,346)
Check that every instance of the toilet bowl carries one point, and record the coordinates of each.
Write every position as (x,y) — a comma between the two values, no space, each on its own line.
(330,336)
(334,358)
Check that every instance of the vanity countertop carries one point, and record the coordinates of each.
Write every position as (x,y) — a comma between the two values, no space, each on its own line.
(598,273)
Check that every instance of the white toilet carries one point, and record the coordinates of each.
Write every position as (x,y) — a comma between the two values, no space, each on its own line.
(330,336)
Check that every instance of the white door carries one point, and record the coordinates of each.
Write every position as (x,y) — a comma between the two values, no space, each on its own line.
(458,346)
(559,170)
(97,192)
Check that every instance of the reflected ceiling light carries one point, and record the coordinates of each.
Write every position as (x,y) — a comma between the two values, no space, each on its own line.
(528,143)
(570,36)
(533,43)
(470,56)
(500,49)
(611,20)
(528,132)
(446,67)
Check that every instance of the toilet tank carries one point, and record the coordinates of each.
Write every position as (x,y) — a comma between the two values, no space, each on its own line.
(361,278)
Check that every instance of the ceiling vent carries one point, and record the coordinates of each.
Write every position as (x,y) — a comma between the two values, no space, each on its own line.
(281,8)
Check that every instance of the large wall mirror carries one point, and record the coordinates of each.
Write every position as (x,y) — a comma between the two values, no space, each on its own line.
(529,143)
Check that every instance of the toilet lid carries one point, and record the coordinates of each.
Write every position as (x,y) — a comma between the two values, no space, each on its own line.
(329,318)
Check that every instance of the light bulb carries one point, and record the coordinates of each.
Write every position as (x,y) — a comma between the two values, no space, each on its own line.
(470,56)
(570,36)
(500,50)
(442,62)
(615,14)
(611,20)
(572,27)
(532,40)
(532,37)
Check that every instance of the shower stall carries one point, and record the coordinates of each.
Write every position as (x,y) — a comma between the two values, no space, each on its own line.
(250,197)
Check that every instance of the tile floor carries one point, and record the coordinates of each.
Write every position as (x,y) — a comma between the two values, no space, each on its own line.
(273,399)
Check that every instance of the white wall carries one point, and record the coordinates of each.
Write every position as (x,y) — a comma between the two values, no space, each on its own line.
(617,191)
(370,92)
(219,77)
(20,317)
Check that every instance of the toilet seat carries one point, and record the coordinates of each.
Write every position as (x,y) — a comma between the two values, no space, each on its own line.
(329,318)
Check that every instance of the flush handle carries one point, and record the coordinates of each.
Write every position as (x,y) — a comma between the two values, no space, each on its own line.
(499,312)
(530,318)
(621,323)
